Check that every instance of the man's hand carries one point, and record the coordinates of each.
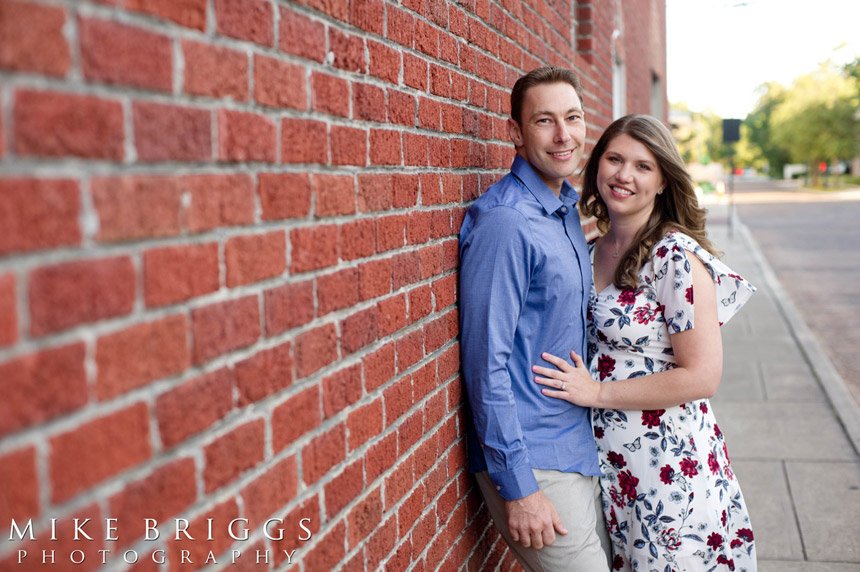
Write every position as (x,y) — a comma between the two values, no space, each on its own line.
(533,521)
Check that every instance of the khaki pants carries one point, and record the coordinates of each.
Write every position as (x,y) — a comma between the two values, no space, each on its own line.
(585,547)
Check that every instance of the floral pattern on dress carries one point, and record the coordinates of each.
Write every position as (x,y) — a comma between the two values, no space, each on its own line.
(671,500)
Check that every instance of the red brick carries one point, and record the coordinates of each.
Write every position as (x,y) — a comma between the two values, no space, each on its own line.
(279,84)
(420,302)
(232,454)
(289,306)
(162,494)
(265,373)
(452,118)
(274,489)
(8,310)
(381,542)
(378,367)
(405,190)
(358,239)
(198,549)
(32,39)
(334,194)
(303,141)
(172,133)
(348,146)
(225,326)
(374,279)
(337,291)
(305,515)
(314,248)
(219,200)
(132,207)
(368,102)
(418,227)
(315,349)
(343,489)
(92,452)
(401,108)
(38,213)
(125,55)
(73,293)
(295,417)
(429,114)
(255,257)
(19,483)
(177,273)
(415,71)
(188,13)
(57,124)
(322,454)
(329,94)
(194,406)
(348,51)
(440,331)
(301,36)
(246,137)
(415,149)
(440,81)
(246,19)
(410,431)
(329,550)
(215,71)
(375,192)
(284,195)
(440,152)
(385,147)
(401,26)
(364,424)
(392,314)
(364,517)
(410,349)
(380,457)
(341,389)
(445,291)
(390,232)
(140,354)
(384,61)
(40,386)
(369,15)
(359,330)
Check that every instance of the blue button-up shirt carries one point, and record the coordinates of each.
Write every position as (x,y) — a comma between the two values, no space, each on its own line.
(525,275)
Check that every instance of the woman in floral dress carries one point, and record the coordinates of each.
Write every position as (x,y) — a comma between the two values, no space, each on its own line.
(671,500)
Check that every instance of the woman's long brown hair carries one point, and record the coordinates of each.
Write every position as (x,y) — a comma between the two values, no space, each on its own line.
(676,208)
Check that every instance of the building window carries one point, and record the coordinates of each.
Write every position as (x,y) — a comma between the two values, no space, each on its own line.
(619,90)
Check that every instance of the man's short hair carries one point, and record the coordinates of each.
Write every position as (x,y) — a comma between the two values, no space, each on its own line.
(547,74)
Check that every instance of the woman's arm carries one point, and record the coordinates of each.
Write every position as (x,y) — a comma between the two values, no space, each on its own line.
(698,355)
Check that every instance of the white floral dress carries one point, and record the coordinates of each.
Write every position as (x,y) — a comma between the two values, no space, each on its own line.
(671,500)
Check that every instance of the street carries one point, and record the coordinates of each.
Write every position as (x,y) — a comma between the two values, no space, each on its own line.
(811,241)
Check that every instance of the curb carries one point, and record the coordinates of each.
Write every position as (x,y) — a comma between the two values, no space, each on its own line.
(847,410)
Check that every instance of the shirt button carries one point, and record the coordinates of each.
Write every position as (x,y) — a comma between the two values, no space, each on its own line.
(563,210)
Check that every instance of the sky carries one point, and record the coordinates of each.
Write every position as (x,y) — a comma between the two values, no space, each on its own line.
(720,51)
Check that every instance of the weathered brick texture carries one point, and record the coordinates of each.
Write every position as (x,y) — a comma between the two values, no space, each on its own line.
(228,253)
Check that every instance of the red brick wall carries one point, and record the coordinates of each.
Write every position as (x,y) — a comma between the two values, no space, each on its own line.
(228,250)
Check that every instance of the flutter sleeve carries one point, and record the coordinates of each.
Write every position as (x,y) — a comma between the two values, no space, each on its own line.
(673,282)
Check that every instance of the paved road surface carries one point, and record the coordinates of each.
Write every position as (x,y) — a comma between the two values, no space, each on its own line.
(812,242)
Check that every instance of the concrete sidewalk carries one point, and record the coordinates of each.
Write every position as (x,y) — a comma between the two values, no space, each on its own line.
(793,432)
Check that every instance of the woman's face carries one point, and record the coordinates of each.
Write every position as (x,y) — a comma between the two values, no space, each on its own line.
(628,179)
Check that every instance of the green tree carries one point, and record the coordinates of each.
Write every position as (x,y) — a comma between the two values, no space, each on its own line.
(757,147)
(816,121)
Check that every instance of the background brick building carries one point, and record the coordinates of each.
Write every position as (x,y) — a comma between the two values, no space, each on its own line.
(228,251)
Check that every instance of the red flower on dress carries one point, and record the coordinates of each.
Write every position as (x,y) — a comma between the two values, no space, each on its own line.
(605,366)
(728,562)
(651,417)
(616,460)
(715,540)
(627,297)
(723,518)
(645,314)
(688,467)
(746,534)
(713,464)
(667,474)
(598,432)
(617,562)
(717,431)
(628,484)
(703,407)
(670,539)
(662,252)
(689,295)
(736,543)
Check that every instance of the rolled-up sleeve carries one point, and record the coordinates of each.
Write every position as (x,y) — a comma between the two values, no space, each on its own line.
(496,263)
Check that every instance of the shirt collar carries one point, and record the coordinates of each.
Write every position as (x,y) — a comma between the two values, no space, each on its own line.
(536,186)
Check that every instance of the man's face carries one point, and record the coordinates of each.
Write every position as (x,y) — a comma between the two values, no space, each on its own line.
(551,133)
